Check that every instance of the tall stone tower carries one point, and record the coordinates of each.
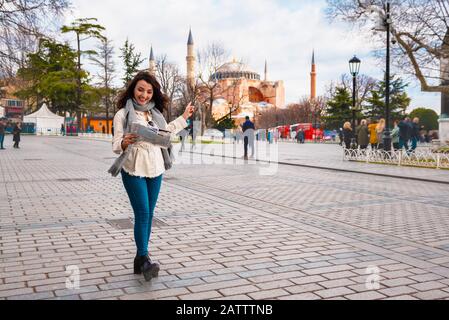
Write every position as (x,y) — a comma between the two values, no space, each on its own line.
(190,61)
(313,78)
(152,68)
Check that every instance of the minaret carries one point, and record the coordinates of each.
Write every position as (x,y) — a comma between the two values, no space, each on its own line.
(266,72)
(152,68)
(313,78)
(190,61)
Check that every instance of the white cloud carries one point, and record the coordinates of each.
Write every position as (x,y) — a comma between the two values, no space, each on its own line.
(283,32)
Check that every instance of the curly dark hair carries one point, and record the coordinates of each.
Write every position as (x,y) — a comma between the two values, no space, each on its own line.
(158,98)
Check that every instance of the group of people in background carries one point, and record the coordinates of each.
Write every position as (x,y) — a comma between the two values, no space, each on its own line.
(17,129)
(405,135)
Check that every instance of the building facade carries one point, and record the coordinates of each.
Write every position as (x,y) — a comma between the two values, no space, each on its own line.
(13,107)
(241,91)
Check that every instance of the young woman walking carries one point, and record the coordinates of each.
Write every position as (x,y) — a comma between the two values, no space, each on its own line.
(143,162)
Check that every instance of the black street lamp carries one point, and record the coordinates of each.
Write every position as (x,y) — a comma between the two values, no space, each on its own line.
(387,136)
(354,68)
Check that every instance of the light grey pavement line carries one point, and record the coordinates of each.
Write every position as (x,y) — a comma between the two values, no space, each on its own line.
(334,169)
(369,170)
(357,242)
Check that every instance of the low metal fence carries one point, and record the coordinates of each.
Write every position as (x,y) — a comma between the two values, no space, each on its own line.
(418,158)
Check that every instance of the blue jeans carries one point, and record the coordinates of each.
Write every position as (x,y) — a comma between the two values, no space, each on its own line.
(143,194)
(2,138)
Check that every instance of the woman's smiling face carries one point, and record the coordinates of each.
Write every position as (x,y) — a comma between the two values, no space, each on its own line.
(143,92)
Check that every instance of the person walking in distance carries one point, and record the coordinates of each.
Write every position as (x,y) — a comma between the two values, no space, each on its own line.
(372,135)
(183,136)
(301,135)
(405,130)
(362,134)
(380,128)
(248,136)
(348,135)
(2,133)
(16,134)
(142,103)
(415,135)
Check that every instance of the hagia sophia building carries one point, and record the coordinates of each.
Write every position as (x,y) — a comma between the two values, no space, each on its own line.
(240,90)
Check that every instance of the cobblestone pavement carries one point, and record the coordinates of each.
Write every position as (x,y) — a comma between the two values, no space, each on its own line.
(222,231)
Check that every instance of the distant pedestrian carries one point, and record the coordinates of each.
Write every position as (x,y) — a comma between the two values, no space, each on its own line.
(380,129)
(293,135)
(141,162)
(395,136)
(405,133)
(16,134)
(248,137)
(427,137)
(183,134)
(62,130)
(422,134)
(238,135)
(348,135)
(2,133)
(300,135)
(415,136)
(340,136)
(362,134)
(372,135)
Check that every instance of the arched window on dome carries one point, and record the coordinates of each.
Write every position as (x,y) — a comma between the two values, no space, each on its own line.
(255,95)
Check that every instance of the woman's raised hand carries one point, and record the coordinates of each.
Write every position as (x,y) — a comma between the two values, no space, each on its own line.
(188,111)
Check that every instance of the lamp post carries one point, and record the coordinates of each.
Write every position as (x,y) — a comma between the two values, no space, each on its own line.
(384,26)
(354,68)
(387,136)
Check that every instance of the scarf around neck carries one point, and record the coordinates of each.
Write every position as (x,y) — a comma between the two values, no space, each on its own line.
(132,106)
(130,116)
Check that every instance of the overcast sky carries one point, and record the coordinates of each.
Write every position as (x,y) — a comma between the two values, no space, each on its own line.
(284,32)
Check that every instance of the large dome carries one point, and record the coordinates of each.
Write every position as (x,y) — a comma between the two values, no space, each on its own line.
(234,70)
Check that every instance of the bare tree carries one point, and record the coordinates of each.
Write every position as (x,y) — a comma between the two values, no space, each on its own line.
(210,60)
(186,94)
(22,23)
(420,30)
(364,85)
(106,63)
(304,111)
(170,80)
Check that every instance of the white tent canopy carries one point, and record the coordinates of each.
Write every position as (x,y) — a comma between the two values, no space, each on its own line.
(46,121)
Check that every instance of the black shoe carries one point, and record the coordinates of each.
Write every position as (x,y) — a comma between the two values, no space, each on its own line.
(143,264)
(149,269)
(137,264)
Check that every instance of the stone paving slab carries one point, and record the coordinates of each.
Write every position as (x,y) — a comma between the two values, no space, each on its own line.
(222,231)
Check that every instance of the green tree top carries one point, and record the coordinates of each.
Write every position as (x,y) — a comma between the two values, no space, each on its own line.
(427,118)
(399,100)
(131,61)
(51,75)
(338,109)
